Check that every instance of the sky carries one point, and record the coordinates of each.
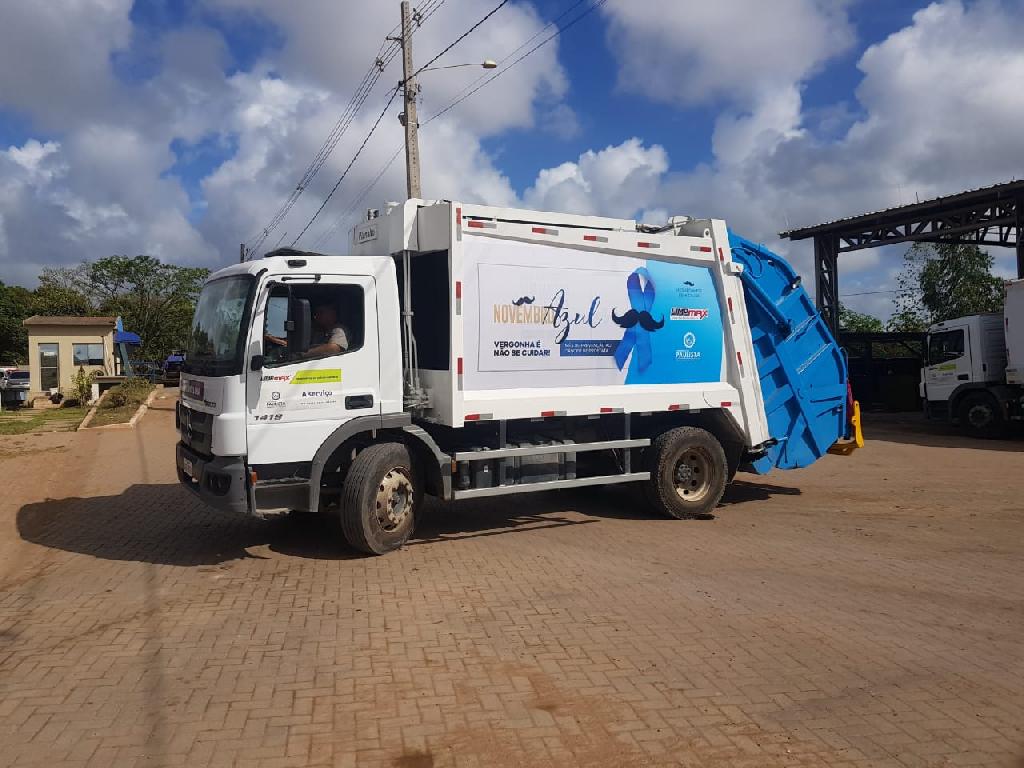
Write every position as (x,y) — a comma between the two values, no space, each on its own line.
(178,128)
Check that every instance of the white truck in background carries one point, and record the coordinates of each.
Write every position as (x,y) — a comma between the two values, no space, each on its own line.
(468,351)
(974,371)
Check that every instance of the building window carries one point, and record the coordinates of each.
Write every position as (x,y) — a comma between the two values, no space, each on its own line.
(87,354)
(49,368)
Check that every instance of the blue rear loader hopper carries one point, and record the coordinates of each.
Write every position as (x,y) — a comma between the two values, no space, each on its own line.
(801,367)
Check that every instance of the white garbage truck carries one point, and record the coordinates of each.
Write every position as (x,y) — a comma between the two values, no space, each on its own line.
(974,371)
(467,351)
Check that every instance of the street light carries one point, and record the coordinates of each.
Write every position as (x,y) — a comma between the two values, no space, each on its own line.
(486,64)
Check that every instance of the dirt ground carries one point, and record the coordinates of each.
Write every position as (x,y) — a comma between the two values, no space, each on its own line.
(866,611)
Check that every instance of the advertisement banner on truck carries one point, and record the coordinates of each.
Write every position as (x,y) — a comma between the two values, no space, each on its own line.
(540,316)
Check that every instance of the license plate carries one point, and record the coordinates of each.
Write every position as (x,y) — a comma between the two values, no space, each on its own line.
(186,464)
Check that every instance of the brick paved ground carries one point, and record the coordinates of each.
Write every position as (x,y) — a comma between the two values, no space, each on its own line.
(866,612)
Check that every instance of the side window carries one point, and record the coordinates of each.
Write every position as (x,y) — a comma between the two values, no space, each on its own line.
(337,322)
(87,354)
(945,346)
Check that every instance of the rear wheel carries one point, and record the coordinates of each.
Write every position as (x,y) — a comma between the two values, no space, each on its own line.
(688,473)
(980,415)
(379,499)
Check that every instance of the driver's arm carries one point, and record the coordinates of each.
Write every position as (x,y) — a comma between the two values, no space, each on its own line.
(337,342)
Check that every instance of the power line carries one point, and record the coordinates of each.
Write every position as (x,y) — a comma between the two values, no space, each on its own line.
(462,37)
(462,96)
(445,50)
(354,205)
(458,100)
(867,293)
(394,92)
(523,45)
(333,138)
(386,54)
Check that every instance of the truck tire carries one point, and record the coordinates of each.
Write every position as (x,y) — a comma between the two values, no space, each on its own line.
(980,416)
(379,499)
(688,473)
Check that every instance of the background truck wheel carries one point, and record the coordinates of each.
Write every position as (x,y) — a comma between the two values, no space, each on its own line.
(980,416)
(379,499)
(688,473)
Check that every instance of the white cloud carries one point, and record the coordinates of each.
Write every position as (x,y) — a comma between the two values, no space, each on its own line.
(55,57)
(105,183)
(617,180)
(937,114)
(729,50)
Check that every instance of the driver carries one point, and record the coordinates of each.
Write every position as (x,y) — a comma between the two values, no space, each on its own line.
(329,337)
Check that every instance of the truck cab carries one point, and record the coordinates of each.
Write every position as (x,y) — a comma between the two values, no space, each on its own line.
(965,374)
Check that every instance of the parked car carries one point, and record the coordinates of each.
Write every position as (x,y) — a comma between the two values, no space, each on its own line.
(171,374)
(14,386)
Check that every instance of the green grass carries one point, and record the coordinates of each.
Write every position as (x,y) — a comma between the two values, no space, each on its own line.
(23,421)
(118,415)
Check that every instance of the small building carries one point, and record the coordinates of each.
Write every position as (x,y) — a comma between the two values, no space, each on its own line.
(59,346)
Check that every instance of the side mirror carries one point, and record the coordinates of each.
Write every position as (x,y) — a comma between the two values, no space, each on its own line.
(256,363)
(298,326)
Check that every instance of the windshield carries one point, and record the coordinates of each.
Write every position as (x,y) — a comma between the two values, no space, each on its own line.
(18,375)
(215,343)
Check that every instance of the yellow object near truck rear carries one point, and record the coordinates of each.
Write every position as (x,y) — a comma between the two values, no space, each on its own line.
(846,447)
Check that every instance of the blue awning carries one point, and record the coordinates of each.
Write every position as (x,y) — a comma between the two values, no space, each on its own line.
(127,337)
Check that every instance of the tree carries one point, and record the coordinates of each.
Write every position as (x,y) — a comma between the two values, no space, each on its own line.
(15,306)
(154,299)
(55,300)
(944,280)
(858,322)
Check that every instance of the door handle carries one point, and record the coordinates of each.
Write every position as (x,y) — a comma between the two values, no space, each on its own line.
(355,402)
(963,377)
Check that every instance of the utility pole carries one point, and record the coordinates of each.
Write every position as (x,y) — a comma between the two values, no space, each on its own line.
(412,146)
(241,253)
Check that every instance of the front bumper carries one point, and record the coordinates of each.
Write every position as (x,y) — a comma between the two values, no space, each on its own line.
(221,482)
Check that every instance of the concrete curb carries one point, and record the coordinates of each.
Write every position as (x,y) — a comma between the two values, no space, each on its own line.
(130,424)
(90,414)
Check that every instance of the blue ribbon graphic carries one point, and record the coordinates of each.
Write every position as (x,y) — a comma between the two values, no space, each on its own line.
(637,339)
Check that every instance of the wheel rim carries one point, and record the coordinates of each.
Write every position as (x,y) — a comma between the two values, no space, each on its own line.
(692,476)
(979,415)
(394,499)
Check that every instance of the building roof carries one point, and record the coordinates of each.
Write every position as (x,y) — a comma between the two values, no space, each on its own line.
(1009,189)
(71,321)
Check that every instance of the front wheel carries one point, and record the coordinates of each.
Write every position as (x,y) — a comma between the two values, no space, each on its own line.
(379,499)
(688,473)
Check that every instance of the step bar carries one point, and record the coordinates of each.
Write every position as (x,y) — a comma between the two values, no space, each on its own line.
(536,450)
(552,485)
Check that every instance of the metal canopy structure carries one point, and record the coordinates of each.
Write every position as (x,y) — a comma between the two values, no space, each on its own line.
(988,216)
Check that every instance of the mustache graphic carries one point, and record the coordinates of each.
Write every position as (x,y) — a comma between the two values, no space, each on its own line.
(523,300)
(633,317)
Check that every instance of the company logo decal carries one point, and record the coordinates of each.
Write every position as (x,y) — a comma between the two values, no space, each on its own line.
(688,313)
(275,395)
(317,376)
(637,340)
(689,342)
